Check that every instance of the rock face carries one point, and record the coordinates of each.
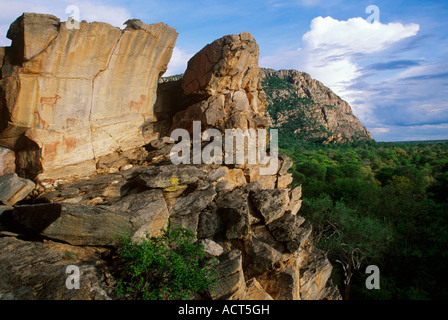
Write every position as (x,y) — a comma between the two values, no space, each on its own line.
(72,96)
(221,88)
(250,222)
(7,161)
(40,273)
(315,112)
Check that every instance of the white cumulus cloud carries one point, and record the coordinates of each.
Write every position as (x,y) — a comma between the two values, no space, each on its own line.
(332,50)
(178,62)
(331,47)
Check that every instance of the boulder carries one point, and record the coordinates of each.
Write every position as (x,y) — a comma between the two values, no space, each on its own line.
(95,225)
(315,272)
(193,202)
(185,211)
(149,212)
(7,161)
(254,291)
(14,189)
(212,248)
(229,63)
(38,271)
(270,204)
(295,201)
(222,85)
(231,284)
(262,251)
(290,230)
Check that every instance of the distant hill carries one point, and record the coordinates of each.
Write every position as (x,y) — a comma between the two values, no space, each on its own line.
(304,109)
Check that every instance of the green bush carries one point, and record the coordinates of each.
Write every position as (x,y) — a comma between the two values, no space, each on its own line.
(172,266)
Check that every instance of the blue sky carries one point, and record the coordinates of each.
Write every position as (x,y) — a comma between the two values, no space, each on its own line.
(393,71)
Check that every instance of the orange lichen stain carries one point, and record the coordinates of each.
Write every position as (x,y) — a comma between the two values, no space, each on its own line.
(70,143)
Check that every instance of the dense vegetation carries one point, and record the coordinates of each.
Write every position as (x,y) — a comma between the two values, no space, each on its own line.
(172,266)
(299,125)
(384,204)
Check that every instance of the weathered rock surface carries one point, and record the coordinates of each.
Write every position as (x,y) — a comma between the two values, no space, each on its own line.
(221,87)
(72,96)
(82,213)
(7,161)
(95,225)
(37,271)
(315,270)
(13,188)
(271,203)
(295,202)
(276,254)
(254,291)
(248,221)
(231,284)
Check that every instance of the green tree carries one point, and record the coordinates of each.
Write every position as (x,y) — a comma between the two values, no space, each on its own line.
(349,238)
(172,266)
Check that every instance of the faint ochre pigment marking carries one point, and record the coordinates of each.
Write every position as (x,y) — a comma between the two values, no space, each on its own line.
(70,123)
(70,143)
(41,123)
(51,149)
(136,106)
(49,101)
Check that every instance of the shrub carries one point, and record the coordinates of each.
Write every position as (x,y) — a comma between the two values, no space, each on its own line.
(172,266)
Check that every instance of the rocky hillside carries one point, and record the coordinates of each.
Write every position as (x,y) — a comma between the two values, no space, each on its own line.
(304,109)
(86,154)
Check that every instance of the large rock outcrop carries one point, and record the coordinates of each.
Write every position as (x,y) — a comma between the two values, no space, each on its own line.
(221,88)
(72,96)
(313,111)
(249,221)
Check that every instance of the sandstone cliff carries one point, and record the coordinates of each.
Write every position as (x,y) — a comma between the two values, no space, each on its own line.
(72,96)
(308,110)
(249,221)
